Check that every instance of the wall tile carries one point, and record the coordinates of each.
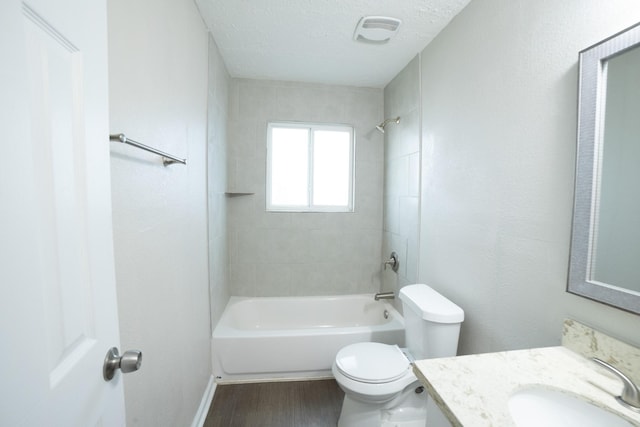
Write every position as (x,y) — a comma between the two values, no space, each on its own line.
(408,133)
(369,179)
(369,142)
(409,216)
(323,253)
(402,177)
(402,94)
(397,176)
(274,279)
(256,102)
(242,278)
(392,214)
(414,175)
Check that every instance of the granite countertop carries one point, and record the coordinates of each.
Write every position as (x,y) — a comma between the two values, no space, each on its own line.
(474,390)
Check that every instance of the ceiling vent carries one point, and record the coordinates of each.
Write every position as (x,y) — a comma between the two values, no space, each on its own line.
(376,29)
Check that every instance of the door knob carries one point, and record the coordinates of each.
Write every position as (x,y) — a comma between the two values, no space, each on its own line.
(130,361)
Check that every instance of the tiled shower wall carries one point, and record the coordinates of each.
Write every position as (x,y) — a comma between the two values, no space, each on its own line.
(286,254)
(402,177)
(218,104)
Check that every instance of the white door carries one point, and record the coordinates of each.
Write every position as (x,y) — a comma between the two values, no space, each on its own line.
(58,309)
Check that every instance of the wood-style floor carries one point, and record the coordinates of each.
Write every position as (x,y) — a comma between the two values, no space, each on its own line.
(278,404)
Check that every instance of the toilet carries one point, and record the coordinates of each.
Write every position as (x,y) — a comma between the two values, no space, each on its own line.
(377,379)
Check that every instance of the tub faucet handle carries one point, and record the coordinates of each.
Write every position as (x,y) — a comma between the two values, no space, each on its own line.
(393,261)
(630,397)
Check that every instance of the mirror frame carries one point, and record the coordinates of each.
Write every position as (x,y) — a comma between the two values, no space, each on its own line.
(592,90)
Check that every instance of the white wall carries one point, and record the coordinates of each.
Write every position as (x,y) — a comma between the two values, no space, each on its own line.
(275,254)
(499,96)
(158,95)
(402,177)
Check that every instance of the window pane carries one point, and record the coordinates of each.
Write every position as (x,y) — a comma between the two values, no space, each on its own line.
(331,167)
(289,166)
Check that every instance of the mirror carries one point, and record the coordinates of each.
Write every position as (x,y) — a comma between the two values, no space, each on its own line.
(605,245)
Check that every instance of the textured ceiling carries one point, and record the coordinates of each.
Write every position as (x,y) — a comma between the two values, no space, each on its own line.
(312,40)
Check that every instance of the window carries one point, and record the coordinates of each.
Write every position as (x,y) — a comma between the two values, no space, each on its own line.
(309,167)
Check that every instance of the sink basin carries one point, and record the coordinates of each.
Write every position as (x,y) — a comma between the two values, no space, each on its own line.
(535,407)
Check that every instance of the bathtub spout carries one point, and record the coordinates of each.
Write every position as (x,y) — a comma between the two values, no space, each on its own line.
(384,295)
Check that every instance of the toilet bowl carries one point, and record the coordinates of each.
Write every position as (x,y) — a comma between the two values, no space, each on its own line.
(379,385)
(373,372)
(377,379)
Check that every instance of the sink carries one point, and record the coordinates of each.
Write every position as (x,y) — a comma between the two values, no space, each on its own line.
(535,407)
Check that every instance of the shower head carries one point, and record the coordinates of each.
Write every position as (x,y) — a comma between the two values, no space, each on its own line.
(382,125)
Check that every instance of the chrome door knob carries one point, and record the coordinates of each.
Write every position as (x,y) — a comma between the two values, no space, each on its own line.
(130,361)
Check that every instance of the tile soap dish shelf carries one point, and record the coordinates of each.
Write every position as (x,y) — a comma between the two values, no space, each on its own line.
(237,194)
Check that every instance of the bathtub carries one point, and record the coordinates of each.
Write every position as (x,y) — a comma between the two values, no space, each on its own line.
(277,338)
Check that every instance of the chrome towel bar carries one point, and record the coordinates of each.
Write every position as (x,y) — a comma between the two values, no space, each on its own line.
(167,159)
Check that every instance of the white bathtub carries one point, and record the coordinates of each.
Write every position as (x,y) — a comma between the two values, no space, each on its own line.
(296,337)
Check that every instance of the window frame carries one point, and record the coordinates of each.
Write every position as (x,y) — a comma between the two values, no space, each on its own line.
(311,127)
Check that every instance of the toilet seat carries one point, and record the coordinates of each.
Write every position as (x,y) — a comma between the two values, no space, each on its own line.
(384,371)
(372,363)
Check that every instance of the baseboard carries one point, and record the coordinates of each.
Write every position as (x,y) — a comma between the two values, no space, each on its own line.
(205,403)
(272,379)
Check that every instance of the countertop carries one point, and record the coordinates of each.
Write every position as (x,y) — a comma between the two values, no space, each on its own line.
(473,390)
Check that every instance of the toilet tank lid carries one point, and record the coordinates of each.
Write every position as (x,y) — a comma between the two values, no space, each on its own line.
(430,305)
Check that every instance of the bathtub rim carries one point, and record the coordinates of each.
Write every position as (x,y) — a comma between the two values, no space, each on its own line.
(225,329)
(395,325)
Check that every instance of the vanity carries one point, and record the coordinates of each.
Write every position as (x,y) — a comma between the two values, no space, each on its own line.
(478,390)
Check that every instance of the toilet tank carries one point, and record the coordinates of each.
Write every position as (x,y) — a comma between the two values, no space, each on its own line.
(432,322)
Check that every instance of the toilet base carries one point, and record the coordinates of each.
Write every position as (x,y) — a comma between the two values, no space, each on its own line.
(408,409)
